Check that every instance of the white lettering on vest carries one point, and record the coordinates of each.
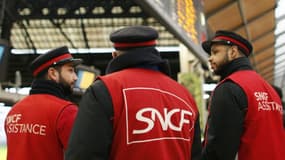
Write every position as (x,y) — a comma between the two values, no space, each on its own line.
(265,105)
(261,96)
(13,126)
(13,118)
(164,120)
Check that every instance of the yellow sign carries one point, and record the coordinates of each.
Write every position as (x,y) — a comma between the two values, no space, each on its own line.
(187,18)
(87,79)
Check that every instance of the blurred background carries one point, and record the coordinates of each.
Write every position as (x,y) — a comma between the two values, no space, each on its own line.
(29,28)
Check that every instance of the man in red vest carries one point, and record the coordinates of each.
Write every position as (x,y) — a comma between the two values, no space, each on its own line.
(136,111)
(245,113)
(38,126)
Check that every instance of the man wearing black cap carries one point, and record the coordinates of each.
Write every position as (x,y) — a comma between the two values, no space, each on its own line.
(136,111)
(38,126)
(245,113)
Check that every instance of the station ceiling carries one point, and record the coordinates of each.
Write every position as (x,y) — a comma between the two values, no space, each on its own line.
(255,20)
(45,24)
(80,25)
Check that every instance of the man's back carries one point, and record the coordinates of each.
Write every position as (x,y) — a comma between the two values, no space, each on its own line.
(153,114)
(135,111)
(31,128)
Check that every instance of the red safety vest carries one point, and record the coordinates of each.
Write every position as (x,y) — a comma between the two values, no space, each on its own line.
(153,116)
(30,127)
(264,135)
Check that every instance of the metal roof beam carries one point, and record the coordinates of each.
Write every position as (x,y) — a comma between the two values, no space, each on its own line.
(60,10)
(264,48)
(84,33)
(276,73)
(58,25)
(279,55)
(28,39)
(255,18)
(268,76)
(260,50)
(261,63)
(281,66)
(267,70)
(264,34)
(7,20)
(280,34)
(279,46)
(220,8)
(280,18)
(244,20)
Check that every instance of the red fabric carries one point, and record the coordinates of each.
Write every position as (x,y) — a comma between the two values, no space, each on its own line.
(234,41)
(132,44)
(65,123)
(153,116)
(32,128)
(264,135)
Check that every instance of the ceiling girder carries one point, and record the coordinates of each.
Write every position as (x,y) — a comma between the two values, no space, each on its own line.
(60,9)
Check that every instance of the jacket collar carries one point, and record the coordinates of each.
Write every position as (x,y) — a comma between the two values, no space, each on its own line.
(48,87)
(238,64)
(146,57)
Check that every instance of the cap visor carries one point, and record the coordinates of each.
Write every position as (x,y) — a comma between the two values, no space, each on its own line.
(207,46)
(73,61)
(76,62)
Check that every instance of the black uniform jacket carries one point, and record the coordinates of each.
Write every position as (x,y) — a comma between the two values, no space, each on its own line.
(92,134)
(228,107)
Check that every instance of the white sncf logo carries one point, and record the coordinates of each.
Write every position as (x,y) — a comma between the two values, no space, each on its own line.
(165,119)
(153,114)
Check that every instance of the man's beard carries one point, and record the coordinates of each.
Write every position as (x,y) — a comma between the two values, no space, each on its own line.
(67,89)
(222,67)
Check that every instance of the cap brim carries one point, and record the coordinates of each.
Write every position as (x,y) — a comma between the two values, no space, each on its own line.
(73,61)
(207,46)
(76,62)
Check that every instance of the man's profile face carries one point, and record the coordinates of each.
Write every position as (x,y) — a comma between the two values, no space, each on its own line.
(219,57)
(67,76)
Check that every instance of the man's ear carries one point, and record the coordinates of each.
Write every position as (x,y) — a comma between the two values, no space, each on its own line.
(52,74)
(234,53)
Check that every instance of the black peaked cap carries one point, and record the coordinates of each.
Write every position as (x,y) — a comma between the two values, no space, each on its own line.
(53,57)
(228,38)
(134,37)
